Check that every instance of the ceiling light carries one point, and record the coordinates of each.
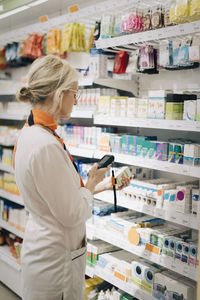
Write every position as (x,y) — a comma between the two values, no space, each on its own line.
(37,2)
(14,11)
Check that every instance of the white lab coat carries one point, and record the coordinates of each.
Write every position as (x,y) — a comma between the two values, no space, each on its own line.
(54,248)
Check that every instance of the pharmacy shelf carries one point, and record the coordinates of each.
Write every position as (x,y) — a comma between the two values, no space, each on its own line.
(90,271)
(188,220)
(82,152)
(10,273)
(5,143)
(17,117)
(119,241)
(11,197)
(124,286)
(151,35)
(7,257)
(120,84)
(10,228)
(82,114)
(139,162)
(6,168)
(95,10)
(181,125)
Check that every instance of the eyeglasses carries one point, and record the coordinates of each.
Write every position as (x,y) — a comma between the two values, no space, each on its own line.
(77,94)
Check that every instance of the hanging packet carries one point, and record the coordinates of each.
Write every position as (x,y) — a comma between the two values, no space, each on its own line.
(120,62)
(2,58)
(67,37)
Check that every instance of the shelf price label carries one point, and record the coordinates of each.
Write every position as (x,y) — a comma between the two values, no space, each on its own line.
(73,8)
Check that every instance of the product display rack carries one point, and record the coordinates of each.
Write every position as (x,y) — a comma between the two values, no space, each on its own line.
(188,220)
(10,228)
(6,168)
(10,270)
(181,125)
(11,197)
(115,239)
(139,162)
(151,35)
(7,116)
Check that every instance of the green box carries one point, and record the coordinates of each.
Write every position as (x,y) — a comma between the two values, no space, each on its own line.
(140,140)
(124,144)
(152,150)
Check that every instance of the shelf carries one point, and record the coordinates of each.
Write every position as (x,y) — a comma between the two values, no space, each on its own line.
(8,196)
(124,286)
(82,152)
(17,117)
(90,271)
(10,228)
(82,114)
(6,143)
(10,273)
(96,10)
(188,220)
(139,162)
(6,256)
(181,125)
(168,262)
(6,168)
(151,35)
(120,84)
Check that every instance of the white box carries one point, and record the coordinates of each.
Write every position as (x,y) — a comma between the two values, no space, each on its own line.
(194,53)
(132,107)
(169,201)
(142,108)
(195,201)
(168,288)
(190,109)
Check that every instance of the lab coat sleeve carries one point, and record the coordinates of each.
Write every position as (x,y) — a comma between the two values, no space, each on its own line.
(56,184)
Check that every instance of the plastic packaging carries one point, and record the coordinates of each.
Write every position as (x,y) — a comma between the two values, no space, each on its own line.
(120,62)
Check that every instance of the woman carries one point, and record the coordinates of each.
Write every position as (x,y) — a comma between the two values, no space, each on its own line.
(54,248)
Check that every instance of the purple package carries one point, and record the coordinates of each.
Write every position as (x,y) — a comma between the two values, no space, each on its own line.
(161,151)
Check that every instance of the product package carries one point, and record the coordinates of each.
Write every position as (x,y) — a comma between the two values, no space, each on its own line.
(190,108)
(120,62)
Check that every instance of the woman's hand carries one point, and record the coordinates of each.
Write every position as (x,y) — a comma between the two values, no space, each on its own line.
(95,177)
(106,184)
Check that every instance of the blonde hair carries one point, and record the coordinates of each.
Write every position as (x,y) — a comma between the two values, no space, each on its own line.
(48,76)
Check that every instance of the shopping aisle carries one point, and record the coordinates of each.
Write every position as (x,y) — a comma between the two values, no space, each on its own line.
(7,294)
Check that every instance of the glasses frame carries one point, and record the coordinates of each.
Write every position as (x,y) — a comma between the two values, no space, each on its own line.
(77,94)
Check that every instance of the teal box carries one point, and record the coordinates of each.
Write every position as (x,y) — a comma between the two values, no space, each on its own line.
(152,150)
(124,144)
(132,143)
(140,141)
(145,148)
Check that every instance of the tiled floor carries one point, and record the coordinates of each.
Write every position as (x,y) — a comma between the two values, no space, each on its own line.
(7,294)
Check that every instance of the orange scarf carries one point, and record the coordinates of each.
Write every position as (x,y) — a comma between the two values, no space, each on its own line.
(38,117)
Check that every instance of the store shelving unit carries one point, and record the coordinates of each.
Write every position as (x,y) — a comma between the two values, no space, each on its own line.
(6,168)
(8,116)
(11,197)
(148,123)
(139,162)
(188,220)
(10,228)
(119,241)
(151,35)
(10,270)
(125,286)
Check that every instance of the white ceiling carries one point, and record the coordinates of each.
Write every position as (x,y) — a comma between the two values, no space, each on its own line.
(52,8)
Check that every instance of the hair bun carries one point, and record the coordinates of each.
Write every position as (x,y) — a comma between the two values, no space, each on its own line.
(24,94)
